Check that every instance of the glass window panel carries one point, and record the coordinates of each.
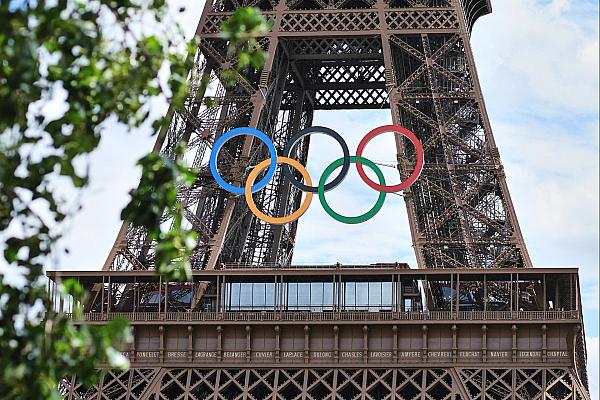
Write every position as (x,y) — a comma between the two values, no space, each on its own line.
(362,293)
(316,296)
(258,295)
(386,295)
(350,295)
(181,295)
(281,294)
(328,295)
(447,292)
(270,295)
(292,297)
(304,296)
(235,296)
(152,298)
(245,296)
(374,295)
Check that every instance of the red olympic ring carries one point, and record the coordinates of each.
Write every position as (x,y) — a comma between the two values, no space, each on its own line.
(410,136)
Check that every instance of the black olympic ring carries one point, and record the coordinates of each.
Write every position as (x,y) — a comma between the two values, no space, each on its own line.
(296,138)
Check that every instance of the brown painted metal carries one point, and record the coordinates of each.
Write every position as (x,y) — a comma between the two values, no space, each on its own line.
(413,57)
(333,383)
(536,348)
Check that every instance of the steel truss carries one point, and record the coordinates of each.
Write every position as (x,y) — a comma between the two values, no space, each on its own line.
(405,56)
(333,384)
(411,56)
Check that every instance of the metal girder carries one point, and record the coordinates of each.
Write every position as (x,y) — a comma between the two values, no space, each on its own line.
(372,383)
(412,56)
(461,196)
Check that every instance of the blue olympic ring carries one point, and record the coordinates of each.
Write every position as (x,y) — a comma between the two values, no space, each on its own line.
(238,132)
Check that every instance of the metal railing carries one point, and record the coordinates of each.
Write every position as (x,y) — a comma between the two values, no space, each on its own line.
(337,316)
(227,266)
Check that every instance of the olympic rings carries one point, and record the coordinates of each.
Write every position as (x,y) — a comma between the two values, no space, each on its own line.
(285,160)
(360,218)
(237,132)
(278,220)
(329,132)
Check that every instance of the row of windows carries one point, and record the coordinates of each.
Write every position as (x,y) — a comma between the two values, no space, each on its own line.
(309,296)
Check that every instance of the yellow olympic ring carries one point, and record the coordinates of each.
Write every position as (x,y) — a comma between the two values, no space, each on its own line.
(277,220)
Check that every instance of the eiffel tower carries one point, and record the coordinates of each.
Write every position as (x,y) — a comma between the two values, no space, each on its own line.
(475,320)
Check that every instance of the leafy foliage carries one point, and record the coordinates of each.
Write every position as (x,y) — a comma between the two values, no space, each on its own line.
(242,30)
(157,193)
(37,353)
(67,69)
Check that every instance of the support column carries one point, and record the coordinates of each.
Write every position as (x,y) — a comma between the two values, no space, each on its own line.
(133,340)
(395,343)
(424,347)
(121,240)
(285,190)
(365,330)
(190,331)
(218,240)
(544,343)
(161,348)
(517,237)
(258,101)
(454,343)
(277,344)
(219,343)
(484,343)
(306,344)
(514,343)
(394,98)
(336,344)
(248,344)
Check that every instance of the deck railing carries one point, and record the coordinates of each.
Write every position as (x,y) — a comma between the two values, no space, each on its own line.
(230,266)
(338,316)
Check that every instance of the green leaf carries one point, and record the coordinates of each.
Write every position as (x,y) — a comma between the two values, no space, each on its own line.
(105,81)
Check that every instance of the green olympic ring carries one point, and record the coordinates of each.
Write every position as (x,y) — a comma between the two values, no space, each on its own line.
(359,218)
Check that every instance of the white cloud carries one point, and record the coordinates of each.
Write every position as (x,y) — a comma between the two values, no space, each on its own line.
(189,17)
(532,50)
(113,173)
(552,175)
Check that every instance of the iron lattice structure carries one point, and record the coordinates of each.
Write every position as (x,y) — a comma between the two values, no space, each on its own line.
(410,56)
(334,384)
(413,57)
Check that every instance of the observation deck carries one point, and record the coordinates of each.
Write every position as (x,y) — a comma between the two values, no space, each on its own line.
(382,314)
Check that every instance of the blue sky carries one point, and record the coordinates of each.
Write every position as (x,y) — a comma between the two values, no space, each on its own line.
(538,66)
